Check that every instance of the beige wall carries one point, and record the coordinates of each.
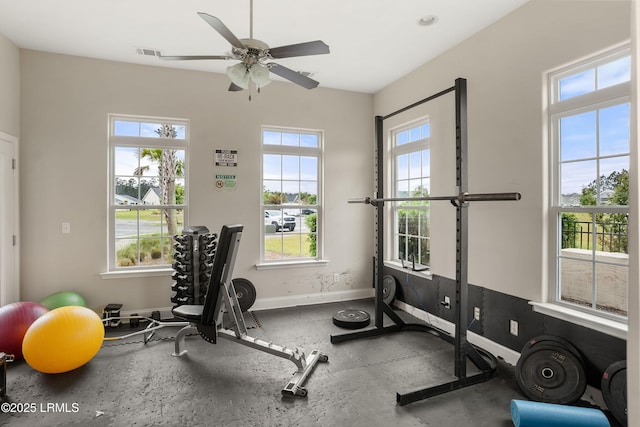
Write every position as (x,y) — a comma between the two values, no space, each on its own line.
(65,103)
(504,66)
(9,87)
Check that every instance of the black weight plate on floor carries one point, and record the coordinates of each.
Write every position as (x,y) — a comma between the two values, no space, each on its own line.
(488,357)
(245,292)
(614,390)
(552,340)
(351,319)
(551,374)
(388,288)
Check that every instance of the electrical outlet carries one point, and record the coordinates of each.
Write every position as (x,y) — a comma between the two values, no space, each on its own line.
(513,327)
(447,302)
(66,227)
(336,277)
(476,313)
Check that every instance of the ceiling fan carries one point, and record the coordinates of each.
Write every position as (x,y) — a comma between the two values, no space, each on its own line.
(255,57)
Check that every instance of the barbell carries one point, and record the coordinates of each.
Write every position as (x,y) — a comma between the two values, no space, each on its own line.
(460,198)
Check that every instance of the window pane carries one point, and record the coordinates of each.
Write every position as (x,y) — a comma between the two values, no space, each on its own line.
(402,138)
(291,190)
(426,130)
(271,137)
(614,72)
(614,129)
(402,247)
(126,128)
(401,221)
(290,167)
(309,140)
(272,166)
(415,188)
(576,278)
(414,134)
(125,160)
(402,163)
(413,226)
(309,168)
(402,188)
(577,84)
(426,162)
(273,192)
(612,285)
(574,177)
(415,164)
(290,139)
(150,130)
(578,136)
(309,192)
(425,252)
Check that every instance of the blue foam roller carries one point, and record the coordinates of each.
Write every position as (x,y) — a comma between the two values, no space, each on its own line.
(537,414)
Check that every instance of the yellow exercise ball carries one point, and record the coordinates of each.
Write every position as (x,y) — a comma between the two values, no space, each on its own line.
(63,339)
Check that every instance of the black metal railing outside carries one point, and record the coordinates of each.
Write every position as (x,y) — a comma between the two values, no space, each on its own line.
(608,236)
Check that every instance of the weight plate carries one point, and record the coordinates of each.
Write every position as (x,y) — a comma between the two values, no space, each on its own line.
(554,340)
(614,390)
(351,319)
(388,289)
(488,357)
(245,292)
(547,373)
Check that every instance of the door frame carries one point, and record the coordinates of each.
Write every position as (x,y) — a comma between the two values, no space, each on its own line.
(11,293)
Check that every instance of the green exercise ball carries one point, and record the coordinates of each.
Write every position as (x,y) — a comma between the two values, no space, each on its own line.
(63,299)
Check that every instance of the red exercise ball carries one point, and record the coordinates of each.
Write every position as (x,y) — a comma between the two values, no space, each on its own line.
(15,319)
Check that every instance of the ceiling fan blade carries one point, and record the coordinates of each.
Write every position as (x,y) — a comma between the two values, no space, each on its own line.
(317,47)
(192,57)
(234,88)
(293,76)
(222,29)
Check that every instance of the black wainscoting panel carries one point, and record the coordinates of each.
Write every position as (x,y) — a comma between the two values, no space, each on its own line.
(598,350)
(497,309)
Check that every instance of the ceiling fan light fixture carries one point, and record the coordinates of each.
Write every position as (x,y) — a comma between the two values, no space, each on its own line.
(260,75)
(239,75)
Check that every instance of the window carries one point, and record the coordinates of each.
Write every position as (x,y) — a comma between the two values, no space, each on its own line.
(412,174)
(589,115)
(291,200)
(148,192)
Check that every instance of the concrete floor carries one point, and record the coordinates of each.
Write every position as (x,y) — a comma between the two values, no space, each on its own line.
(136,384)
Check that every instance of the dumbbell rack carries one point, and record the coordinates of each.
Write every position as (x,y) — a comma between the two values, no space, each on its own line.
(195,249)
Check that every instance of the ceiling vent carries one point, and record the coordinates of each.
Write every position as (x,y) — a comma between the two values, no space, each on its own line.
(148,52)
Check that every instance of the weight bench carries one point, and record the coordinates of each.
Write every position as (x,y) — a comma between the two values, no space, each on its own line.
(207,320)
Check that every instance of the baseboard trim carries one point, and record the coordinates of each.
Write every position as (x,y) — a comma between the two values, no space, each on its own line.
(273,303)
(310,299)
(508,355)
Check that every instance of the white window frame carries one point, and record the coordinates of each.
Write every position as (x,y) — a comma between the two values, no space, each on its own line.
(141,142)
(318,153)
(398,150)
(558,109)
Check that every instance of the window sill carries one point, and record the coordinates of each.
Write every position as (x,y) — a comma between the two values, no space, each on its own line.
(136,273)
(291,264)
(398,266)
(601,324)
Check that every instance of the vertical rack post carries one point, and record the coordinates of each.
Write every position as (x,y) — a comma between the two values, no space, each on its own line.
(462,231)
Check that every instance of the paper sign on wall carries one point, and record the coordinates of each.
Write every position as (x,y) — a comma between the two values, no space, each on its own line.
(225,182)
(226,157)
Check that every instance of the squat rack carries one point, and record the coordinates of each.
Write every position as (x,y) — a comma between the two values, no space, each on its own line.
(483,360)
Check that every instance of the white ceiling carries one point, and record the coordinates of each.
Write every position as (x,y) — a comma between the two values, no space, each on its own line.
(372,42)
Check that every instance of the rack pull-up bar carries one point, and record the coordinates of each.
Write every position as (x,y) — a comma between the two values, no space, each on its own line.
(460,198)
